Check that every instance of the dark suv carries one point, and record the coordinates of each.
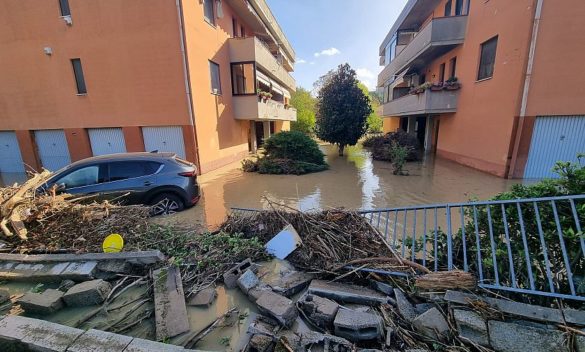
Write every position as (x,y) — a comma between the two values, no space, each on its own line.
(159,179)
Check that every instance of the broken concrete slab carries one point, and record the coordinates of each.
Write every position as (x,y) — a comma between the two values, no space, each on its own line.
(79,271)
(580,342)
(141,345)
(247,281)
(22,333)
(65,285)
(109,269)
(346,293)
(357,326)
(422,307)
(33,272)
(100,341)
(471,326)
(319,342)
(230,277)
(382,287)
(278,307)
(260,343)
(544,314)
(405,308)
(525,338)
(142,258)
(284,243)
(169,303)
(291,283)
(4,296)
(87,293)
(432,324)
(204,297)
(47,302)
(321,311)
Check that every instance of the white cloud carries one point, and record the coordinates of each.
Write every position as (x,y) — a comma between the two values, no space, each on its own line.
(368,83)
(312,63)
(301,61)
(364,73)
(328,52)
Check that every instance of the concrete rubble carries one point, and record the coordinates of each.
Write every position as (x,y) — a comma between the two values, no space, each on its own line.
(346,293)
(169,303)
(88,293)
(204,297)
(47,302)
(357,326)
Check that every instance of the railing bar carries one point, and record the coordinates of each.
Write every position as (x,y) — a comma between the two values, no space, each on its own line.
(507,233)
(533,292)
(563,249)
(578,224)
(414,237)
(436,243)
(525,242)
(465,266)
(386,230)
(478,244)
(378,224)
(544,249)
(403,244)
(449,239)
(493,245)
(371,217)
(425,239)
(395,222)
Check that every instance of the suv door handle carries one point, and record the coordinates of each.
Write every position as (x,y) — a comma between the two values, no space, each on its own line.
(147,183)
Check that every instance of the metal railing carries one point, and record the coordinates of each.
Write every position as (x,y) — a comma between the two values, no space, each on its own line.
(533,246)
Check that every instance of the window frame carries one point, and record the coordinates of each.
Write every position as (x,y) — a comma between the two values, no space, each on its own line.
(449,5)
(481,59)
(64,10)
(442,69)
(459,5)
(102,168)
(211,64)
(234,28)
(141,163)
(79,76)
(232,78)
(210,21)
(453,67)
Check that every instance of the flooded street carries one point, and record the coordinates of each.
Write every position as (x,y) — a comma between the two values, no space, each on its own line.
(354,181)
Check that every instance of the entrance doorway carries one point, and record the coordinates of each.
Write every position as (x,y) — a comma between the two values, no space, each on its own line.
(259,127)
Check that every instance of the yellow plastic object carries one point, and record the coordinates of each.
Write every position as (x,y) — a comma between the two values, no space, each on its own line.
(113,243)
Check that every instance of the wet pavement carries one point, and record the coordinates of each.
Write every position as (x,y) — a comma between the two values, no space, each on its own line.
(354,181)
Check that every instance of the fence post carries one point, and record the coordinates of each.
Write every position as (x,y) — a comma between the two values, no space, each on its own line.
(449,240)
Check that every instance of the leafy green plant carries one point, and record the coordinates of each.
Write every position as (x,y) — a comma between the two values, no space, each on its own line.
(225,340)
(398,155)
(381,145)
(293,145)
(249,165)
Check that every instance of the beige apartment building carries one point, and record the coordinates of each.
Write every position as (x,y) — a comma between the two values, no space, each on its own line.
(504,92)
(82,78)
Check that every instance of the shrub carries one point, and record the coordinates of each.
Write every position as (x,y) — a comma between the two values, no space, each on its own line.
(287,166)
(372,140)
(249,165)
(398,155)
(381,146)
(293,145)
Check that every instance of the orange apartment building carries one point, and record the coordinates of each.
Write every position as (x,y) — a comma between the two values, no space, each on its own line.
(517,105)
(81,78)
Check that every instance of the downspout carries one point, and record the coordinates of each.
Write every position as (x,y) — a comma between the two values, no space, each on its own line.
(186,78)
(526,90)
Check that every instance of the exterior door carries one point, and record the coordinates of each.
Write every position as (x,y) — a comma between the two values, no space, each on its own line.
(164,139)
(106,141)
(52,148)
(10,157)
(554,138)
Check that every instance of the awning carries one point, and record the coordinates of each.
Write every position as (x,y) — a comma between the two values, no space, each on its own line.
(277,88)
(262,78)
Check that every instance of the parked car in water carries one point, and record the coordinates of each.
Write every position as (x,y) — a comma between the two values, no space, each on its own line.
(162,180)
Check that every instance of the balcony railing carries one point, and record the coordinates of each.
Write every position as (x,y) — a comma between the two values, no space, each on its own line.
(426,103)
(249,107)
(436,38)
(252,49)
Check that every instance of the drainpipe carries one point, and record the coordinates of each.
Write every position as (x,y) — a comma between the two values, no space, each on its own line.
(186,78)
(526,90)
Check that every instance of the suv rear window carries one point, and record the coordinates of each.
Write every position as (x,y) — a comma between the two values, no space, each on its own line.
(124,170)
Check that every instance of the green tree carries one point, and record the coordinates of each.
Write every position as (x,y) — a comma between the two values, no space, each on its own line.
(342,108)
(374,120)
(305,105)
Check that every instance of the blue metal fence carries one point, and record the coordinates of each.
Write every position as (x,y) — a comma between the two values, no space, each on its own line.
(533,246)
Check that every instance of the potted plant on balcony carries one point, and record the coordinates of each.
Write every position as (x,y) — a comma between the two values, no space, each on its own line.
(263,96)
(452,84)
(421,88)
(437,86)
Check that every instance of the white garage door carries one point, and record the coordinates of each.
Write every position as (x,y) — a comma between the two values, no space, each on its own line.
(10,157)
(555,138)
(53,149)
(164,139)
(106,141)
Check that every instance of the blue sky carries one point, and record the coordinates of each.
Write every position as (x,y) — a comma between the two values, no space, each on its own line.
(326,33)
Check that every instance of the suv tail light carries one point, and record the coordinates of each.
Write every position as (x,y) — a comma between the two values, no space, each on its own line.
(188,173)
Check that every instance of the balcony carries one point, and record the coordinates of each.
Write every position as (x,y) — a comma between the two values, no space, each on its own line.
(248,107)
(426,103)
(435,39)
(252,49)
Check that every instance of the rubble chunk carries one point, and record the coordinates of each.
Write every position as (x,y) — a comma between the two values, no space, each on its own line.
(44,303)
(65,285)
(432,324)
(382,287)
(230,277)
(108,269)
(580,342)
(320,310)
(357,326)
(33,334)
(260,343)
(405,308)
(4,296)
(204,297)
(141,345)
(291,283)
(100,341)
(87,293)
(332,342)
(79,271)
(422,307)
(170,311)
(346,293)
(525,337)
(280,308)
(284,243)
(247,281)
(471,326)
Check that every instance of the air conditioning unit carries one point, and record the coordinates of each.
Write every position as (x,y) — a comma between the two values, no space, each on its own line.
(67,20)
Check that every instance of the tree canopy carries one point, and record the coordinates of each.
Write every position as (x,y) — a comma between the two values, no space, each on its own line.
(342,108)
(374,120)
(302,100)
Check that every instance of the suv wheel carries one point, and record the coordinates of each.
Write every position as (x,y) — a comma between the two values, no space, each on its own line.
(166,203)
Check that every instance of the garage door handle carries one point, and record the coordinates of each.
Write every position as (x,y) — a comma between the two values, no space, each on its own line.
(147,183)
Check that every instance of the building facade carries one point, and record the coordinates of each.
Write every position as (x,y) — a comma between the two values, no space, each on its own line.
(83,78)
(490,84)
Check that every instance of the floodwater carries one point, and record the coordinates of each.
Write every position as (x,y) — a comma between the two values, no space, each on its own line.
(354,181)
